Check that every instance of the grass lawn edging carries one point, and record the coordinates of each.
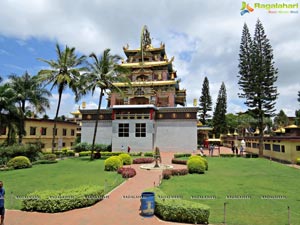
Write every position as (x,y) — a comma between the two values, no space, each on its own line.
(179,210)
(58,201)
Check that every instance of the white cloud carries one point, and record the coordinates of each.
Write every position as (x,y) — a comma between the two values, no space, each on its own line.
(204,37)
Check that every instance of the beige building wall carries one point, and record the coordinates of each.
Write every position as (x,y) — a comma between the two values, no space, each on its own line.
(42,130)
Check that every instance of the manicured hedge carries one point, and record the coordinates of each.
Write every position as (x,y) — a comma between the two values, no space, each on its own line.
(49,156)
(179,210)
(143,160)
(179,161)
(196,165)
(126,158)
(44,161)
(298,161)
(180,155)
(127,172)
(166,174)
(84,153)
(113,163)
(19,162)
(148,154)
(202,159)
(58,201)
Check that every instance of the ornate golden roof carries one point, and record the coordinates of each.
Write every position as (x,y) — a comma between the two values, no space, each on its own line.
(145,83)
(146,64)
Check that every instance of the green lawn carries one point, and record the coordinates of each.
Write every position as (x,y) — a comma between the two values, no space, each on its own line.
(253,179)
(65,174)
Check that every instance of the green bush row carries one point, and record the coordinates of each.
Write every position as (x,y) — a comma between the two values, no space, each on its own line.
(84,146)
(179,210)
(298,161)
(44,161)
(113,163)
(52,201)
(180,155)
(148,154)
(65,152)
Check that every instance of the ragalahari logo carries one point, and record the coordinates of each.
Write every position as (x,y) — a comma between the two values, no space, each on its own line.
(246,8)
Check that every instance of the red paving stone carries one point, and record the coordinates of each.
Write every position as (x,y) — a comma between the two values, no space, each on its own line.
(120,208)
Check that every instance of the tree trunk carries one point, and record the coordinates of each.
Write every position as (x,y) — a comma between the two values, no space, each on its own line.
(55,121)
(96,124)
(261,134)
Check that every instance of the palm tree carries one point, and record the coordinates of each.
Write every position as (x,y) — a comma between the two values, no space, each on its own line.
(103,72)
(28,89)
(64,73)
(9,113)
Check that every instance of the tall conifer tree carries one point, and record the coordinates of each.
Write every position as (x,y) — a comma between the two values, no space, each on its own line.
(257,76)
(219,118)
(205,102)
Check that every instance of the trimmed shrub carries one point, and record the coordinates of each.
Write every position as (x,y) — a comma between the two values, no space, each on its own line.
(180,155)
(84,153)
(70,153)
(19,162)
(179,161)
(127,172)
(113,163)
(126,158)
(44,161)
(200,157)
(196,165)
(143,160)
(135,153)
(108,154)
(49,156)
(80,147)
(148,154)
(179,172)
(52,201)
(179,210)
(298,161)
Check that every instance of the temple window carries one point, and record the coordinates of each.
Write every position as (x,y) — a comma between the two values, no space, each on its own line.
(140,130)
(123,130)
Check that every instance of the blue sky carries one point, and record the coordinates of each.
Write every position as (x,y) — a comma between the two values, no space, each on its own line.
(203,36)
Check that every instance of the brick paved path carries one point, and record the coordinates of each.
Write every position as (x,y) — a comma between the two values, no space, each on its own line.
(118,209)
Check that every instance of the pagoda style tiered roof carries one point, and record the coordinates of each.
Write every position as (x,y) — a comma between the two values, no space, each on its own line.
(153,80)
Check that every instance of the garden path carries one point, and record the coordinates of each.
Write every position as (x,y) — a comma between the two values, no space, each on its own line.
(120,208)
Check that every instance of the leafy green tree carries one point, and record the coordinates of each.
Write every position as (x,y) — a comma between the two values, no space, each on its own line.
(257,76)
(219,117)
(103,73)
(28,90)
(281,120)
(9,113)
(64,73)
(205,103)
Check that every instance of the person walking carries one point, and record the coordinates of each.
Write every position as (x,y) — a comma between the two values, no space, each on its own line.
(2,209)
(128,149)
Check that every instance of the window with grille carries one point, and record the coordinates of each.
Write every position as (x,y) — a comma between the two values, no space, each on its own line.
(140,130)
(123,130)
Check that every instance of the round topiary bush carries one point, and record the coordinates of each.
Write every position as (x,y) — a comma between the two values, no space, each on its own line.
(19,162)
(298,161)
(49,156)
(126,158)
(113,163)
(202,158)
(196,165)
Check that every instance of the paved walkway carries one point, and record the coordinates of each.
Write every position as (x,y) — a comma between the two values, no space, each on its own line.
(121,208)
